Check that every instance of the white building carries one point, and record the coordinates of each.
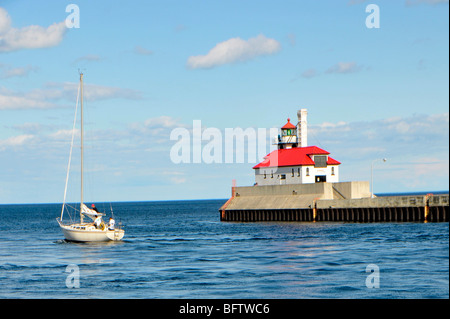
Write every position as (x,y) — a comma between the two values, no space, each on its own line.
(294,162)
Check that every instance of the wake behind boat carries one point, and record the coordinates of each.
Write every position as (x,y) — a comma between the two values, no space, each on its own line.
(97,230)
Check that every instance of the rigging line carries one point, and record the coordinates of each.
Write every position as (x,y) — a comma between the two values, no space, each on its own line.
(112,212)
(89,157)
(75,209)
(310,133)
(68,213)
(70,154)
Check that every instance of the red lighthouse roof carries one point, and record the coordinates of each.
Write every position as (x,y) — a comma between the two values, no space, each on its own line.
(288,125)
(296,156)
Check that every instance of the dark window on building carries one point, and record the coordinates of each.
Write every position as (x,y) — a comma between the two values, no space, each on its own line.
(283,176)
(321,178)
(307,171)
(298,172)
(332,171)
(320,161)
(292,172)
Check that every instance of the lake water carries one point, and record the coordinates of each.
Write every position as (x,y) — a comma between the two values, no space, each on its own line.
(180,249)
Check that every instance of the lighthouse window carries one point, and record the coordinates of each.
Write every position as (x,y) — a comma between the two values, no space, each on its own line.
(272,174)
(265,175)
(320,161)
(292,172)
(332,171)
(307,171)
(298,172)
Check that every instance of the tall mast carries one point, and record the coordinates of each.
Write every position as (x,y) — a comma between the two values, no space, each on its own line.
(81,97)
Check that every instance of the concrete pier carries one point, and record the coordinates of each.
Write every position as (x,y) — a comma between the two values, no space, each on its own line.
(336,202)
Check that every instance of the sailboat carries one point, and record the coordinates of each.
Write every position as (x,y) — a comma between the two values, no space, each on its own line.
(86,231)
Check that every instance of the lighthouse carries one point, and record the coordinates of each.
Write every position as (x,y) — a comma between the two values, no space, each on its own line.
(294,162)
(294,136)
(300,182)
(288,137)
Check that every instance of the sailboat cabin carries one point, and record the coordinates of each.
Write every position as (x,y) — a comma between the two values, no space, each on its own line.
(293,162)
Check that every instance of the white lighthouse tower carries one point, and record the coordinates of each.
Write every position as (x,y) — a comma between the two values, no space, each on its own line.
(288,137)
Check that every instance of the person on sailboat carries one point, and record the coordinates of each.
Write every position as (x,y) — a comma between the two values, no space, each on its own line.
(94,208)
(112,222)
(98,222)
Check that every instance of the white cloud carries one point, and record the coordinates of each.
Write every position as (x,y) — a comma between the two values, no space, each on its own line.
(174,176)
(430,166)
(5,21)
(161,121)
(416,146)
(344,67)
(15,141)
(338,68)
(88,58)
(423,173)
(310,73)
(7,72)
(180,28)
(52,93)
(341,124)
(403,138)
(29,128)
(29,37)
(156,129)
(178,180)
(142,51)
(292,39)
(235,50)
(64,134)
(15,102)
(95,92)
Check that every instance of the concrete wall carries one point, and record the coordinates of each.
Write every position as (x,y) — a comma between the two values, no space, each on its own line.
(388,201)
(322,190)
(274,202)
(353,189)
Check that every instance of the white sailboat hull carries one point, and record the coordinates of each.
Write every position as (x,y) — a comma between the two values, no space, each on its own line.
(88,233)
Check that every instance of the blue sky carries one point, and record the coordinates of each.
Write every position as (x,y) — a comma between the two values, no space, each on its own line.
(152,66)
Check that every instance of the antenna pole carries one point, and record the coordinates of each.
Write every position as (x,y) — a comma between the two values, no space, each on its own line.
(81,96)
